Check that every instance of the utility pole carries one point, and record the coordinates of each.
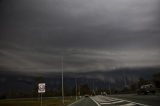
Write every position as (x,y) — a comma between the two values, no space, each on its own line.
(62,82)
(76,88)
(79,88)
(124,77)
(109,88)
(41,99)
(92,87)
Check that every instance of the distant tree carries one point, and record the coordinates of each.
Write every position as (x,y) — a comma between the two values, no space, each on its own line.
(142,82)
(49,93)
(3,96)
(133,87)
(156,79)
(67,89)
(126,90)
(85,89)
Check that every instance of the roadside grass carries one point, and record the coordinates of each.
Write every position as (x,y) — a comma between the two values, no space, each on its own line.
(55,101)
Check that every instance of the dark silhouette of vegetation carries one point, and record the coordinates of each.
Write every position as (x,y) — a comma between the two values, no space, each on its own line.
(82,89)
(85,90)
(156,80)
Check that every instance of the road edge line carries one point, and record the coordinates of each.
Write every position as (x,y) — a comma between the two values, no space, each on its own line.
(95,101)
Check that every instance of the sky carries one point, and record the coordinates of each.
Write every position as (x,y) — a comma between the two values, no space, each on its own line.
(91,35)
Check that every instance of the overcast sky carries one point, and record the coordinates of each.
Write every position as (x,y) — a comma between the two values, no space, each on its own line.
(90,34)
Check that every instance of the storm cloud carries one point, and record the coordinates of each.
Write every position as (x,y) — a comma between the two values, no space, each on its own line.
(90,34)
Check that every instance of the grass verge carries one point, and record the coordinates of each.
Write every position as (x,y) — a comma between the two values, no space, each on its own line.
(55,101)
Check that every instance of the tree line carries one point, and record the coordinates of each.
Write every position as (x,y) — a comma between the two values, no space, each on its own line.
(81,89)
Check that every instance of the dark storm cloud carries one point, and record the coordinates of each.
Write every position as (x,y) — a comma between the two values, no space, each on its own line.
(90,34)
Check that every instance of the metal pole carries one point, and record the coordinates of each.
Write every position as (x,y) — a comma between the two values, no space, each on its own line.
(62,83)
(41,99)
(93,87)
(125,82)
(76,88)
(79,91)
(109,88)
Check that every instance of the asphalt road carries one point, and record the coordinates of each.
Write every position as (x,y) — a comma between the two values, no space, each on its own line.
(151,100)
(118,100)
(84,102)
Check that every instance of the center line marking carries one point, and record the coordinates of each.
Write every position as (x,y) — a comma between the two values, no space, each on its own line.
(112,102)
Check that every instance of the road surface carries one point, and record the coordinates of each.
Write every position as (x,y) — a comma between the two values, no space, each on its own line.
(118,100)
(151,100)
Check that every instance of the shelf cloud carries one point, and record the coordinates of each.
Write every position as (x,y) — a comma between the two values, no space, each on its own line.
(90,34)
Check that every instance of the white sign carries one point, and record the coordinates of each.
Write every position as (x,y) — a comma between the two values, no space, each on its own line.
(41,87)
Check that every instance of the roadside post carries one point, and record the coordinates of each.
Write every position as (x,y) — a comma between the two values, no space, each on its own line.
(41,89)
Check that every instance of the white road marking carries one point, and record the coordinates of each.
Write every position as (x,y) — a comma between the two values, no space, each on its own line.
(105,103)
(109,100)
(118,102)
(112,102)
(135,102)
(129,104)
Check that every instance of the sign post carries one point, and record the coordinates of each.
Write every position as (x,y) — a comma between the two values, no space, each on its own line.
(41,89)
